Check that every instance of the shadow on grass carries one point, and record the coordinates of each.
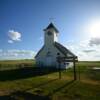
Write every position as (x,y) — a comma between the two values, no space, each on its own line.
(22,73)
(37,95)
(21,95)
(68,85)
(5,98)
(93,74)
(42,84)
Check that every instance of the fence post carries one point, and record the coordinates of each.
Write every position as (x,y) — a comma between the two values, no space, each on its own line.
(79,72)
(74,66)
(59,64)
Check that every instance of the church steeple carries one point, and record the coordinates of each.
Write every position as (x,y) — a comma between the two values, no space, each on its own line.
(51,34)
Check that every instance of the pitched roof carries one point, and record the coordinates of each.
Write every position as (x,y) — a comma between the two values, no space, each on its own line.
(51,26)
(61,48)
(64,50)
(39,51)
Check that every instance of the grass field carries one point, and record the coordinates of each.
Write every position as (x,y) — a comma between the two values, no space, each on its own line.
(21,80)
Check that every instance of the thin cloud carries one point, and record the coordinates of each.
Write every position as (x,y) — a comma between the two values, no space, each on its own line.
(10,41)
(84,51)
(94,41)
(89,51)
(14,36)
(16,54)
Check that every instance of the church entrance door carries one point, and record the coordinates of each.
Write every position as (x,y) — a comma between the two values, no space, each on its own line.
(49,61)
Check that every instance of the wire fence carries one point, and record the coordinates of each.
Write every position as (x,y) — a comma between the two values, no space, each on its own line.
(82,71)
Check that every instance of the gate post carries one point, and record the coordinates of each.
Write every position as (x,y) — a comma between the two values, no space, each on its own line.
(74,66)
(59,65)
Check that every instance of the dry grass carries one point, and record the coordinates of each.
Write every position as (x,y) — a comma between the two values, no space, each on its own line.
(20,85)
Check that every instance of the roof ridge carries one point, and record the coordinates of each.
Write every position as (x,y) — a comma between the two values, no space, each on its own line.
(39,51)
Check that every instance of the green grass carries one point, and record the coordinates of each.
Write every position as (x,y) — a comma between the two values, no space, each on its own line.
(4,62)
(14,64)
(23,84)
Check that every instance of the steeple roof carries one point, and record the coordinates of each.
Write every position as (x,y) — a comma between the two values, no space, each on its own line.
(51,26)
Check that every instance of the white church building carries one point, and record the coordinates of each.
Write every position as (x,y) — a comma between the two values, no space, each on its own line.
(47,55)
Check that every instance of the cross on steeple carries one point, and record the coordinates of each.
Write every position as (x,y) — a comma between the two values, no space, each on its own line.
(51,19)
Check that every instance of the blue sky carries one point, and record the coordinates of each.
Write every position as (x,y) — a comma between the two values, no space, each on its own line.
(22,23)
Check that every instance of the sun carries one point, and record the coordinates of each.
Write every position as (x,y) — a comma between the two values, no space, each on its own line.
(94,28)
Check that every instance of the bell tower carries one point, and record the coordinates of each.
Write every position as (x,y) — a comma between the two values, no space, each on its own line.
(50,35)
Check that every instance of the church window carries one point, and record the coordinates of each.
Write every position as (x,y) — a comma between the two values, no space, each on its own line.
(48,53)
(49,33)
(58,53)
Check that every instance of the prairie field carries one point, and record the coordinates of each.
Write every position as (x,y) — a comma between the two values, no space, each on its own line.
(23,80)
